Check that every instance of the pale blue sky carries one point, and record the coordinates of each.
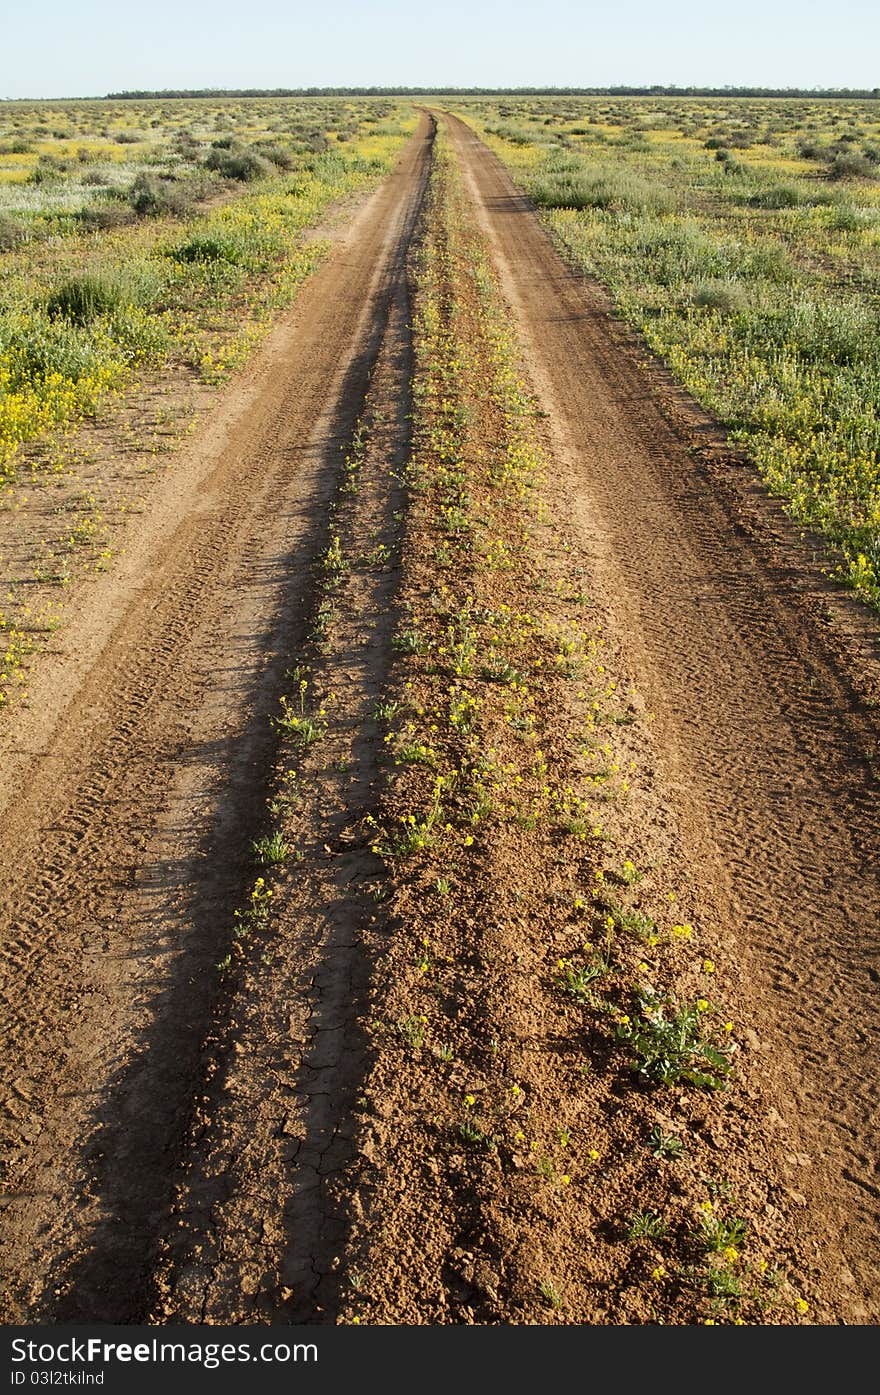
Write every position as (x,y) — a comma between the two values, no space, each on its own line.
(61,48)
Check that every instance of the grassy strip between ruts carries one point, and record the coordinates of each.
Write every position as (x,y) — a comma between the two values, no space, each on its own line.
(554,1073)
(756,312)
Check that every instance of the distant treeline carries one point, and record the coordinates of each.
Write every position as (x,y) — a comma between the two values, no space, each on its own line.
(853,93)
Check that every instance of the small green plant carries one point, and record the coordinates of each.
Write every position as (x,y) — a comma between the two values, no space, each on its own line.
(412,1030)
(473,1136)
(304,730)
(646,1225)
(323,621)
(271,849)
(386,711)
(462,653)
(498,670)
(629,874)
(551,1294)
(256,912)
(463,712)
(409,642)
(379,556)
(637,922)
(718,1233)
(575,980)
(333,560)
(82,298)
(416,753)
(665,1145)
(669,1042)
(723,1284)
(415,834)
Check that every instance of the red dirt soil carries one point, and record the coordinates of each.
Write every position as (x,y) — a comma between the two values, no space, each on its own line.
(189,1145)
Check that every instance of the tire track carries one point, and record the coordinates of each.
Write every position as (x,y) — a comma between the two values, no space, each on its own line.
(156,750)
(259,1220)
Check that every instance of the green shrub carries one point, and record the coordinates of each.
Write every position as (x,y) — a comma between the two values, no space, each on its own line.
(823,331)
(232,163)
(99,217)
(84,297)
(210,247)
(138,335)
(151,195)
(88,296)
(278,155)
(779,196)
(848,218)
(728,297)
(568,183)
(48,170)
(852,166)
(669,1044)
(786,196)
(44,349)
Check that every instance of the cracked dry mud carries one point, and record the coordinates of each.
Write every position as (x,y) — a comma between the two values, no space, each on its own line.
(187,1145)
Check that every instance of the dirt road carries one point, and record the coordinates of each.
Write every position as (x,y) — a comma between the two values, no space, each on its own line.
(762,731)
(180,1126)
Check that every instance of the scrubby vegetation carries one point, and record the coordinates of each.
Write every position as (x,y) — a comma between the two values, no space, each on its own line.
(741,237)
(142,272)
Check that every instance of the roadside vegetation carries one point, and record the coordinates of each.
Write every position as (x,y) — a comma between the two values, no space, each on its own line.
(741,238)
(174,263)
(87,297)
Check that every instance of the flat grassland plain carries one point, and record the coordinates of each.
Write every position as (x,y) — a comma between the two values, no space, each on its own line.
(439,710)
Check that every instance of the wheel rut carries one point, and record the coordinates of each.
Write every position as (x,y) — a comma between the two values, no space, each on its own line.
(130,801)
(259,1218)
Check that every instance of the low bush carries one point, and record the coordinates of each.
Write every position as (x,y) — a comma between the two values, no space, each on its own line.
(728,297)
(242,165)
(240,244)
(151,195)
(19,145)
(210,247)
(40,350)
(48,170)
(81,299)
(12,232)
(88,296)
(99,217)
(278,155)
(852,166)
(569,183)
